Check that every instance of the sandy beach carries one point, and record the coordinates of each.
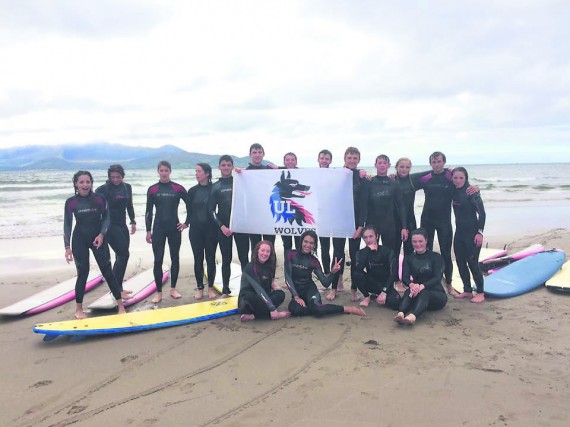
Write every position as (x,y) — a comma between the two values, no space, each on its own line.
(500,363)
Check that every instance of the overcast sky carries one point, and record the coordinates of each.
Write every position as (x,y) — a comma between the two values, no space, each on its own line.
(482,81)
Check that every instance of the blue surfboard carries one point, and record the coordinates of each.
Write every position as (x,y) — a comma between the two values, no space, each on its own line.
(524,275)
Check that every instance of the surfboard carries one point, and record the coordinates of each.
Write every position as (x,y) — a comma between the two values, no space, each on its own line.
(560,282)
(142,285)
(51,297)
(235,279)
(524,275)
(486,254)
(495,263)
(140,320)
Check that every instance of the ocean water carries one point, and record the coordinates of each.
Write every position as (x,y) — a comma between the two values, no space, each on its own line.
(518,198)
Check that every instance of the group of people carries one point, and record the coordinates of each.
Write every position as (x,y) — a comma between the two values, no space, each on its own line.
(383,211)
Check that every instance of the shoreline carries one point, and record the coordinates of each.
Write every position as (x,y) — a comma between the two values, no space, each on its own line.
(338,370)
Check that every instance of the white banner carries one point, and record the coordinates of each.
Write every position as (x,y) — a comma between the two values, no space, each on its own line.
(288,202)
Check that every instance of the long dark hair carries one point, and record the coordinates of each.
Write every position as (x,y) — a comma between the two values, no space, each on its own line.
(315,238)
(207,170)
(462,169)
(76,178)
(271,262)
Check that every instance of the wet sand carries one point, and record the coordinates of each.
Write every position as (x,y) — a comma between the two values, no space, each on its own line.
(500,363)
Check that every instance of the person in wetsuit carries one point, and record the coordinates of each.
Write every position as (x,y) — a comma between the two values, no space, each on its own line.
(259,294)
(202,231)
(91,225)
(384,200)
(119,196)
(376,270)
(325,159)
(290,162)
(422,273)
(256,155)
(300,265)
(469,224)
(164,197)
(351,160)
(220,209)
(436,214)
(409,184)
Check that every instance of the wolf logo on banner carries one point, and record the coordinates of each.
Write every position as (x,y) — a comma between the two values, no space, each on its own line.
(282,203)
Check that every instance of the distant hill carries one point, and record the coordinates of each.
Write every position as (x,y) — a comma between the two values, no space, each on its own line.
(101,155)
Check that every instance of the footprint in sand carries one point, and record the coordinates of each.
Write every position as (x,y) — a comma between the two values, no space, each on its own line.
(129,358)
(41,383)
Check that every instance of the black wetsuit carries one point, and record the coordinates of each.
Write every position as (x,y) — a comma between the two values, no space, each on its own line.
(256,238)
(165,197)
(375,272)
(384,199)
(353,244)
(120,200)
(202,234)
(220,209)
(425,269)
(256,295)
(409,185)
(91,218)
(299,268)
(436,214)
(469,220)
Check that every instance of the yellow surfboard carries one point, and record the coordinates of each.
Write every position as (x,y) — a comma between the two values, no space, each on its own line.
(561,280)
(140,320)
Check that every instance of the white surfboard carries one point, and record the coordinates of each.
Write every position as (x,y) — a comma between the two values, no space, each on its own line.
(235,279)
(142,285)
(51,297)
(561,280)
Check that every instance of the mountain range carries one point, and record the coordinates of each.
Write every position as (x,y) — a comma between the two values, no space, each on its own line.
(101,155)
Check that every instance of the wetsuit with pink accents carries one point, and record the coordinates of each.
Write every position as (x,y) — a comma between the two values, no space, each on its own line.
(256,295)
(165,198)
(436,214)
(91,218)
(299,268)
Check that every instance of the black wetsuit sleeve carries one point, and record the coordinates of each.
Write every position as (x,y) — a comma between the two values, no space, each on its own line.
(438,267)
(130,207)
(251,279)
(364,192)
(184,198)
(67,224)
(400,205)
(289,274)
(362,202)
(106,219)
(406,271)
(212,202)
(393,262)
(480,208)
(318,270)
(362,257)
(148,212)
(415,178)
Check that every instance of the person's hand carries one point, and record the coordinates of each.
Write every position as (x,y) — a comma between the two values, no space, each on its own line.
(472,189)
(300,301)
(381,298)
(133,228)
(148,237)
(98,242)
(373,246)
(404,234)
(478,240)
(415,289)
(181,227)
(357,233)
(237,169)
(336,266)
(226,231)
(68,255)
(275,286)
(272,166)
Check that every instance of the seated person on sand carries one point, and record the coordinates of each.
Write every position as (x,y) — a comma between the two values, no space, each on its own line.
(259,294)
(422,273)
(376,270)
(300,264)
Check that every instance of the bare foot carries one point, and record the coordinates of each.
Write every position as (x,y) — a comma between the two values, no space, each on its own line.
(463,295)
(280,315)
(80,315)
(225,296)
(121,310)
(245,317)
(478,298)
(212,294)
(399,317)
(354,310)
(175,294)
(365,302)
(199,294)
(331,295)
(452,291)
(126,294)
(410,319)
(354,296)
(157,298)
